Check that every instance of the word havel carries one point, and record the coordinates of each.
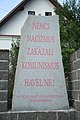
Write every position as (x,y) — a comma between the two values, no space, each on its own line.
(39,82)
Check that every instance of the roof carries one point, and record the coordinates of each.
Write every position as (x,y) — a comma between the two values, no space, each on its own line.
(20,6)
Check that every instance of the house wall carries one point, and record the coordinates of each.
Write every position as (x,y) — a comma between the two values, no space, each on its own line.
(14,25)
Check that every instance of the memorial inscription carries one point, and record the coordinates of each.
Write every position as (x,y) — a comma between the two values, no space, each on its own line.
(39,80)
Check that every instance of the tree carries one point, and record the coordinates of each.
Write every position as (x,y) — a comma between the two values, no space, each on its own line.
(69,29)
(13,63)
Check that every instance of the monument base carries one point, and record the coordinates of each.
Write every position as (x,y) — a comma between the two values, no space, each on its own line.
(41,115)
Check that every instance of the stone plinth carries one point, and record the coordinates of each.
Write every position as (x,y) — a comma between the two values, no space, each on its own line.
(41,115)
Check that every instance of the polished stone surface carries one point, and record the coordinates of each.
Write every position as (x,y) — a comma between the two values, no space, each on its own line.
(3,106)
(4,54)
(3,96)
(3,85)
(3,75)
(4,65)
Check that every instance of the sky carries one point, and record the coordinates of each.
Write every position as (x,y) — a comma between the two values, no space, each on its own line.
(7,5)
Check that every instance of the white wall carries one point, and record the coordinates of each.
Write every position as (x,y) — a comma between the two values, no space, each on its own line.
(5,41)
(13,26)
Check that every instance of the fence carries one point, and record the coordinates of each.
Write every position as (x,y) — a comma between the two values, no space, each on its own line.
(74,80)
(4,70)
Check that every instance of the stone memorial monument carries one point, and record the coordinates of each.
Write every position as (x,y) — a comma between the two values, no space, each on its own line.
(39,81)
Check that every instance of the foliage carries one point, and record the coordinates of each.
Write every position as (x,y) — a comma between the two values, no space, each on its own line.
(13,63)
(69,29)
